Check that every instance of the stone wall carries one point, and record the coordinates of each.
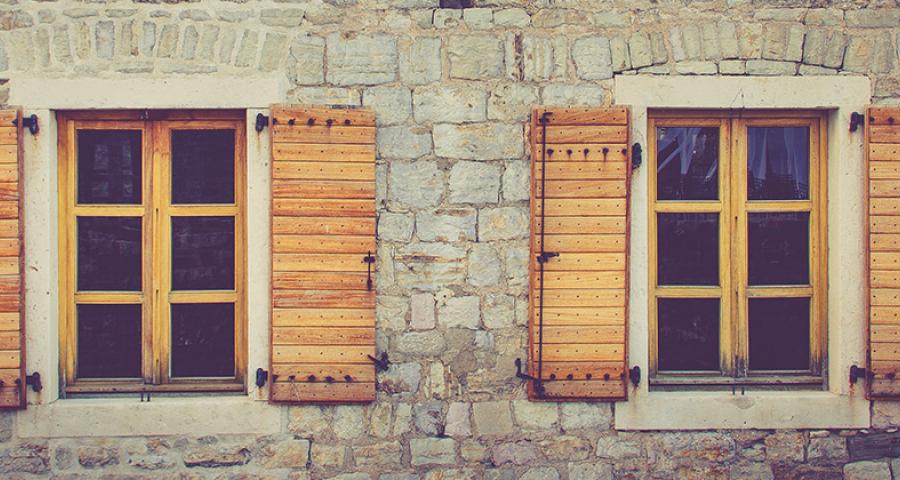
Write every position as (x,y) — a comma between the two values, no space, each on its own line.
(453,90)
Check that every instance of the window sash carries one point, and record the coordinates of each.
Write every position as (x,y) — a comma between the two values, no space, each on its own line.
(733,208)
(156,212)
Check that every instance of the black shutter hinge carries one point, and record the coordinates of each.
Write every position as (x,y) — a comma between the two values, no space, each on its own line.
(382,363)
(34,380)
(369,260)
(636,154)
(856,120)
(635,375)
(30,122)
(262,122)
(545,257)
(538,384)
(857,372)
(261,377)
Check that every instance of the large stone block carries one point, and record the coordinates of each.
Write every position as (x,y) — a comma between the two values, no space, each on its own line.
(474,182)
(485,268)
(482,141)
(422,316)
(415,184)
(578,416)
(475,57)
(534,416)
(870,470)
(395,227)
(566,94)
(457,423)
(420,61)
(447,225)
(492,418)
(432,451)
(592,57)
(361,59)
(449,104)
(544,58)
(392,105)
(503,223)
(460,312)
(512,102)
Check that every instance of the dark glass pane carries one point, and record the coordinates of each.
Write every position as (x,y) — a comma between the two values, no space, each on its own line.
(687,163)
(203,166)
(109,166)
(109,253)
(778,163)
(688,248)
(109,341)
(203,253)
(778,248)
(779,334)
(688,334)
(203,340)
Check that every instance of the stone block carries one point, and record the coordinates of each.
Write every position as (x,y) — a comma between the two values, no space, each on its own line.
(449,104)
(432,451)
(869,470)
(480,141)
(593,58)
(565,94)
(512,17)
(288,453)
(382,453)
(640,50)
(516,453)
(392,105)
(422,311)
(485,268)
(457,423)
(395,227)
(402,142)
(475,57)
(540,473)
(535,416)
(591,471)
(503,223)
(578,416)
(512,102)
(771,67)
(474,183)
(415,184)
(492,418)
(446,225)
(361,59)
(420,61)
(544,58)
(460,312)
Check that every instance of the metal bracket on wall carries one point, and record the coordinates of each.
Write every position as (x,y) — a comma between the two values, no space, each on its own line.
(635,375)
(856,120)
(261,377)
(30,122)
(262,122)
(382,363)
(636,156)
(857,372)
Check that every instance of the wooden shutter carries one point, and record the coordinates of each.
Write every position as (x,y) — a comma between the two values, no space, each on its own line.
(883,188)
(323,230)
(580,351)
(12,284)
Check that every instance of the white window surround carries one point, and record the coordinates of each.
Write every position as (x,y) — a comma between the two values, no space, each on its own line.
(47,415)
(840,406)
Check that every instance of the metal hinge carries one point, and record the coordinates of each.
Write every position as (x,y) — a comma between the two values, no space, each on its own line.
(34,380)
(30,122)
(261,377)
(545,257)
(636,154)
(856,120)
(262,122)
(369,259)
(857,372)
(635,375)
(382,363)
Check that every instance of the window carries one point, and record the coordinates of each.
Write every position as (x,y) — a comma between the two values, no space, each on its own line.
(152,251)
(737,264)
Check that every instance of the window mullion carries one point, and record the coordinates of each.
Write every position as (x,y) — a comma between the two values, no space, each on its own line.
(738,213)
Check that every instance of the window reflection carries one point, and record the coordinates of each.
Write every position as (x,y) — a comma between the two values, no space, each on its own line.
(687,163)
(778,163)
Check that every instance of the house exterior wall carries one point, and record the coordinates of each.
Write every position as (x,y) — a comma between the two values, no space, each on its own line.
(452,90)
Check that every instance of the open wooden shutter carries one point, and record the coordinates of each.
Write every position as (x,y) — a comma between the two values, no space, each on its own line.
(12,285)
(579,208)
(883,162)
(323,247)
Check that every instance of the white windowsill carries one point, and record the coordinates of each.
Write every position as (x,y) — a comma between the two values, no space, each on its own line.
(122,417)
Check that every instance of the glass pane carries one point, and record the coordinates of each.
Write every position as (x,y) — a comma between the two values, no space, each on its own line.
(688,334)
(109,253)
(778,248)
(779,333)
(203,253)
(688,246)
(203,166)
(687,163)
(778,163)
(109,341)
(203,340)
(109,166)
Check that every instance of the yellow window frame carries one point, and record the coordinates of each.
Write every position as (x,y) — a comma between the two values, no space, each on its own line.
(733,207)
(156,211)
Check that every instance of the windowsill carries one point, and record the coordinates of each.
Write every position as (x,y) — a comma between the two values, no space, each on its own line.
(128,416)
(706,382)
(724,410)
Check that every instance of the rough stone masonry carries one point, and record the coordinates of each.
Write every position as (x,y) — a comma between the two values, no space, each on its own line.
(453,89)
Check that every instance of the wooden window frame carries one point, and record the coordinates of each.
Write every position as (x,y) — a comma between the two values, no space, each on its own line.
(733,208)
(156,211)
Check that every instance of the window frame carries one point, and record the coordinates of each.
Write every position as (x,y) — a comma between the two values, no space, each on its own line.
(733,207)
(156,212)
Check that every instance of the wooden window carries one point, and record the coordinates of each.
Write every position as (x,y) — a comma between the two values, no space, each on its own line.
(152,262)
(737,247)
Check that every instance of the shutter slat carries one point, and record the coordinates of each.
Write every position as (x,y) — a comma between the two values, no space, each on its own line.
(323,227)
(883,250)
(583,342)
